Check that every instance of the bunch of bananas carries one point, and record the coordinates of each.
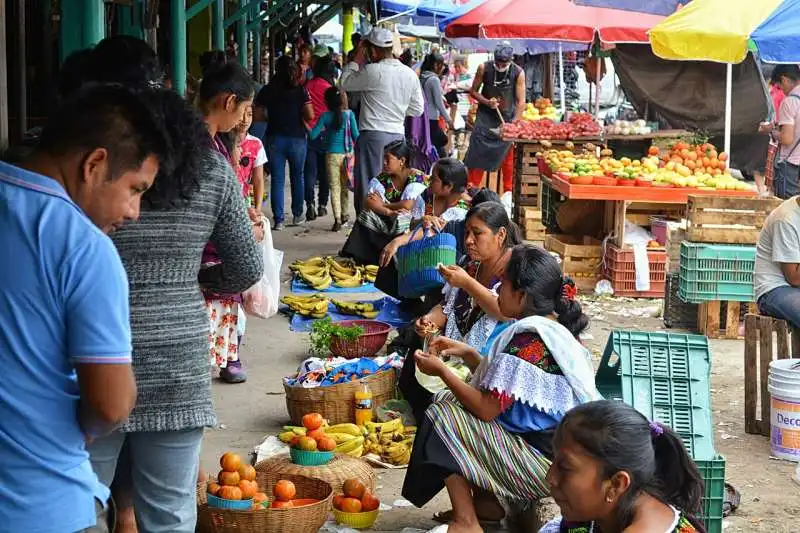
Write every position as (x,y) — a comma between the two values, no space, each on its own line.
(390,440)
(314,306)
(365,309)
(320,272)
(349,439)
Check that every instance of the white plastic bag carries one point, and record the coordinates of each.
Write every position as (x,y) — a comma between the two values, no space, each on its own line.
(261,300)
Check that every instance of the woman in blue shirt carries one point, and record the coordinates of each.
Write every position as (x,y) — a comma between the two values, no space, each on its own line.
(488,441)
(341,134)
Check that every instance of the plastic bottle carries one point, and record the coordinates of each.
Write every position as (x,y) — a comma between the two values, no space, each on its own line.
(363,405)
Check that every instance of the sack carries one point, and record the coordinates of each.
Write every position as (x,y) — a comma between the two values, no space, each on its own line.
(418,261)
(261,300)
(349,163)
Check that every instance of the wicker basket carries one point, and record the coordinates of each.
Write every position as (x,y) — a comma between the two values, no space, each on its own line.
(339,470)
(366,345)
(336,402)
(305,519)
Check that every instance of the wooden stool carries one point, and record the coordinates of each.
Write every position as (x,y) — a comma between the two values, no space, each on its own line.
(758,354)
(714,326)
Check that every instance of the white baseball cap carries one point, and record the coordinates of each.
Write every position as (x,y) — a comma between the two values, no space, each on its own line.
(380,37)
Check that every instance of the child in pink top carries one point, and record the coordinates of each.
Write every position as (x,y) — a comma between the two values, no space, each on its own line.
(250,162)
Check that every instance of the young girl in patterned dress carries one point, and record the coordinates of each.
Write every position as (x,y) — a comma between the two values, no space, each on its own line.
(615,471)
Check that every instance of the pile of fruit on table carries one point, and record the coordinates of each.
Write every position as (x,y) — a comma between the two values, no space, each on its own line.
(317,435)
(684,165)
(541,108)
(391,440)
(578,125)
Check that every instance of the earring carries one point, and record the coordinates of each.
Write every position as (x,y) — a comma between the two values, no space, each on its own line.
(609,499)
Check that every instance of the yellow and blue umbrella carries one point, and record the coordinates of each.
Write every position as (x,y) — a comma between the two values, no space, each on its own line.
(724,31)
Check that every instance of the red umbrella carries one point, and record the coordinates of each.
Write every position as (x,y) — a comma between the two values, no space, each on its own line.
(554,20)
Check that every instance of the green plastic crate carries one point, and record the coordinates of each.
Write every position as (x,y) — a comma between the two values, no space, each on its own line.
(711,272)
(666,377)
(713,472)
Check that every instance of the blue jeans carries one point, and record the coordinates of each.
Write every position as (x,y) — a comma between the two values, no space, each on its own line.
(783,303)
(316,171)
(282,150)
(163,467)
(785,182)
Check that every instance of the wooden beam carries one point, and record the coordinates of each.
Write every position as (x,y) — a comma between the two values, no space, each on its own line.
(3,79)
(22,81)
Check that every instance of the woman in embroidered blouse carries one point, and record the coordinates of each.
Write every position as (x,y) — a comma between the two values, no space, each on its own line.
(615,472)
(389,194)
(491,437)
(469,312)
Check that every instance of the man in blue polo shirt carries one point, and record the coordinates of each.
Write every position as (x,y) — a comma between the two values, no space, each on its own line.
(65,342)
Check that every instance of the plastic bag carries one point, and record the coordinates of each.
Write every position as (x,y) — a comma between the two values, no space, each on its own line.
(261,300)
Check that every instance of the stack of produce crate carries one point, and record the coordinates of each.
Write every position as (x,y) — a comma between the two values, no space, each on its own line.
(717,261)
(620,269)
(666,377)
(531,225)
(581,258)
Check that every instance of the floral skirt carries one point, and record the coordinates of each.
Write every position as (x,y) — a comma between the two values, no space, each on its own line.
(223,335)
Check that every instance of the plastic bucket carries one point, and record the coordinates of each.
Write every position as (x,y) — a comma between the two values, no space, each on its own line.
(784,390)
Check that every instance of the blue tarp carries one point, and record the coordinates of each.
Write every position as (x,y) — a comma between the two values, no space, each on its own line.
(389,312)
(656,7)
(777,37)
(301,288)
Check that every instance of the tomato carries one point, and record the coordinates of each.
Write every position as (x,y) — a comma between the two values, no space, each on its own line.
(337,501)
(369,502)
(278,504)
(213,488)
(230,493)
(312,421)
(247,472)
(326,444)
(248,488)
(230,462)
(284,490)
(230,479)
(354,488)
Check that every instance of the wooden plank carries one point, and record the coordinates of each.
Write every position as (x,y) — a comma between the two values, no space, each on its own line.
(584,266)
(712,322)
(530,212)
(782,334)
(670,195)
(575,246)
(764,358)
(751,331)
(730,217)
(721,202)
(619,223)
(722,235)
(534,225)
(732,321)
(795,343)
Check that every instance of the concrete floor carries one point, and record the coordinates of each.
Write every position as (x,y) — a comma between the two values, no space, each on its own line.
(251,411)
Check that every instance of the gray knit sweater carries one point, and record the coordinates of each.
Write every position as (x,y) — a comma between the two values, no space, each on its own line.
(169,322)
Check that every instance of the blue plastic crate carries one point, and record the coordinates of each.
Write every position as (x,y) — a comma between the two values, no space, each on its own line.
(666,377)
(713,472)
(711,272)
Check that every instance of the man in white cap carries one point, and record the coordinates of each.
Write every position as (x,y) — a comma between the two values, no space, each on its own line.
(390,91)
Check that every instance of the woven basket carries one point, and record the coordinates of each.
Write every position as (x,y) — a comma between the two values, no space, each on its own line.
(305,519)
(366,345)
(335,473)
(417,263)
(336,403)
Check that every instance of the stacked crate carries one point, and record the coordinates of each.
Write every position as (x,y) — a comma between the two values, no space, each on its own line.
(527,183)
(620,269)
(531,225)
(581,258)
(667,377)
(717,261)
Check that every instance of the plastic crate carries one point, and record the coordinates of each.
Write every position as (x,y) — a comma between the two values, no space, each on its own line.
(666,377)
(677,313)
(713,472)
(551,201)
(621,271)
(716,272)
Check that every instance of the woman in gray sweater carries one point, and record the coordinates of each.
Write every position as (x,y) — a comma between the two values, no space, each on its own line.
(430,78)
(196,202)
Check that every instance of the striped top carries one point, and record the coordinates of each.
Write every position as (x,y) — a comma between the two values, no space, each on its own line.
(161,253)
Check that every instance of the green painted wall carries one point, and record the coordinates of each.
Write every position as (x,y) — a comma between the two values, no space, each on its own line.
(199,38)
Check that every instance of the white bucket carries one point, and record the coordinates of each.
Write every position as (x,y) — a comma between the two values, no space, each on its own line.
(784,389)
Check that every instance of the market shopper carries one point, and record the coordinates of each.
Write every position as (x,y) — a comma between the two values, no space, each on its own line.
(614,471)
(499,88)
(315,172)
(389,91)
(430,79)
(787,166)
(285,105)
(65,337)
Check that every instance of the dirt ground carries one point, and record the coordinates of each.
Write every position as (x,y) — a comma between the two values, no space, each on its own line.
(251,411)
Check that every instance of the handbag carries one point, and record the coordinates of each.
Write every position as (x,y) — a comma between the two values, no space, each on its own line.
(418,262)
(349,162)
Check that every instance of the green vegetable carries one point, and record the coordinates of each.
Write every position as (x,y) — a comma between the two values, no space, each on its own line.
(323,331)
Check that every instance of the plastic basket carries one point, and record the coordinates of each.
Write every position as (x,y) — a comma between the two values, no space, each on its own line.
(366,345)
(308,458)
(220,503)
(417,263)
(713,472)
(710,272)
(621,271)
(677,313)
(356,520)
(666,377)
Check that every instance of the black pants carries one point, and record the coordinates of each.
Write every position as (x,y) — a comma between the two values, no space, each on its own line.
(438,138)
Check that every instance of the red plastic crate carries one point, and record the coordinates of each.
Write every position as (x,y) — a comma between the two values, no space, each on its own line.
(620,270)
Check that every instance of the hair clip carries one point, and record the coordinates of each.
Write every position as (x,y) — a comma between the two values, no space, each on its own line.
(568,289)
(656,429)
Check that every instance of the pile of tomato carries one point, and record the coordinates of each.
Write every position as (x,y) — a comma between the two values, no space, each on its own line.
(578,125)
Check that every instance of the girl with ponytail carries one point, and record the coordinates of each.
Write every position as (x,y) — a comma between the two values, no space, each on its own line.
(615,471)
(489,440)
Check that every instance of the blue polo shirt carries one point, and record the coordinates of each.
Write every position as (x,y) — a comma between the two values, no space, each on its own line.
(63,302)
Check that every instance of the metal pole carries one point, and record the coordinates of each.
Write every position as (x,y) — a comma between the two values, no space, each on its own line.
(271,45)
(347,29)
(728,106)
(22,87)
(218,19)
(3,79)
(562,89)
(94,22)
(178,38)
(257,48)
(241,35)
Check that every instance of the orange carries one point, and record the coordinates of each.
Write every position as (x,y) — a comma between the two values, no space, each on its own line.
(351,505)
(312,421)
(284,490)
(230,493)
(247,472)
(230,462)
(229,479)
(354,488)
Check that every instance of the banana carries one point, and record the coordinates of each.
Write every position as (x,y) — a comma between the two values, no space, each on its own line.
(350,445)
(317,282)
(312,262)
(370,314)
(297,430)
(349,429)
(340,438)
(286,436)
(356,452)
(380,427)
(372,269)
